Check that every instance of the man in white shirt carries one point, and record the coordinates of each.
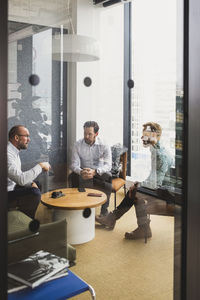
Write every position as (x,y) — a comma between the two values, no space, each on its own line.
(23,192)
(91,163)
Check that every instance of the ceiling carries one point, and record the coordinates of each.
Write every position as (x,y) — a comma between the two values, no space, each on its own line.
(42,12)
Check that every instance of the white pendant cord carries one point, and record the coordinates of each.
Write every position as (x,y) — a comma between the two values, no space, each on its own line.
(72,47)
(69,16)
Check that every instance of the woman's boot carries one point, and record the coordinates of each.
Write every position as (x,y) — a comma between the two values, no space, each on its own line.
(143,231)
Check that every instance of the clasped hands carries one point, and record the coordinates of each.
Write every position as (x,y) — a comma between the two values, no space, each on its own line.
(88,173)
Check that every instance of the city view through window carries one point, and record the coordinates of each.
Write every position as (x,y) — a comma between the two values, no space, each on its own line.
(154,74)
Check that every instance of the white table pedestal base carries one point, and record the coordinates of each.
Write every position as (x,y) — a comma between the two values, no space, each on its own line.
(79,229)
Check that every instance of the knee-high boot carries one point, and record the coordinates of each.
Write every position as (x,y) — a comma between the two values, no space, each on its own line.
(143,230)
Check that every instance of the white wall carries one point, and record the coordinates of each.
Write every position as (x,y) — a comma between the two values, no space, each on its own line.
(103,100)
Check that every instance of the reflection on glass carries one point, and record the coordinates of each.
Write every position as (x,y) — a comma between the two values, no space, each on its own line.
(154,73)
(157,66)
(37,106)
(155,98)
(161,160)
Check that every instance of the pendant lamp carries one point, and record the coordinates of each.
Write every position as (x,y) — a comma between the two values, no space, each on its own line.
(73,47)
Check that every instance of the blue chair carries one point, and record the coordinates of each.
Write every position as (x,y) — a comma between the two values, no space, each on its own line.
(58,289)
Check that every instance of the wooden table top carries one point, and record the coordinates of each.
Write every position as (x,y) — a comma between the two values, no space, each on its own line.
(73,199)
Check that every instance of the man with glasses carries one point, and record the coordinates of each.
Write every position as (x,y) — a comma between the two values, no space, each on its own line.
(23,193)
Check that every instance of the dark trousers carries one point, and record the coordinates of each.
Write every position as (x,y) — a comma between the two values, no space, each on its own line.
(25,199)
(127,202)
(140,208)
(102,183)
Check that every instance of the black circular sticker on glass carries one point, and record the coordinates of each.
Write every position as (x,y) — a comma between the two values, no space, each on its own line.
(130,83)
(87,81)
(34,79)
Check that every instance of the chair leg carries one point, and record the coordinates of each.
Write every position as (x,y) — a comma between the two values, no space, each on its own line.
(115,200)
(92,292)
(124,189)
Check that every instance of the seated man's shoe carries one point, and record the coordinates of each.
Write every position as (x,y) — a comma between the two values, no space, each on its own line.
(108,221)
(104,213)
(142,232)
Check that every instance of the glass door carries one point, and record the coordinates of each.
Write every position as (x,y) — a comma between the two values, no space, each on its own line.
(157,116)
(154,73)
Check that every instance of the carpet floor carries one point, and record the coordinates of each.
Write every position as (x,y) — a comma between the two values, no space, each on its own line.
(119,269)
(128,270)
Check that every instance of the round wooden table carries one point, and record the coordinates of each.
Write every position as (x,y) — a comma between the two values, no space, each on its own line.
(79,210)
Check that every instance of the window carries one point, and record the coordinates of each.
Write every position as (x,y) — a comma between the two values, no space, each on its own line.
(40,107)
(154,72)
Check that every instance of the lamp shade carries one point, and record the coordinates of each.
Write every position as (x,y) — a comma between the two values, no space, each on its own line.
(75,48)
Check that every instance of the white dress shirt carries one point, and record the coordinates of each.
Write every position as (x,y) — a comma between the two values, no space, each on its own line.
(96,156)
(15,174)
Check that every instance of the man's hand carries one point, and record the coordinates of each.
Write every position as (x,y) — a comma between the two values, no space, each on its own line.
(45,166)
(88,173)
(133,190)
(34,185)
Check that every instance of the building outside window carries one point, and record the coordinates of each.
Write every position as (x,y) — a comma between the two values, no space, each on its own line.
(154,72)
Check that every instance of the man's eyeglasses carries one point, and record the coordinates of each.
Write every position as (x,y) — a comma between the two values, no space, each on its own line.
(26,135)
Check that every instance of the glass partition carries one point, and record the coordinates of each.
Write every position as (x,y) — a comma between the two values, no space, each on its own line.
(53,99)
(157,113)
(154,73)
(37,98)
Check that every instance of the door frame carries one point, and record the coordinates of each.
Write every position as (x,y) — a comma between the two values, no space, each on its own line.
(3,148)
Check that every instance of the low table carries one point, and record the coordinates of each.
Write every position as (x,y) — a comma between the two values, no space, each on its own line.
(79,210)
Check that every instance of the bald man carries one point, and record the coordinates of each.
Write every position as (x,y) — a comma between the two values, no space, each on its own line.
(23,192)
